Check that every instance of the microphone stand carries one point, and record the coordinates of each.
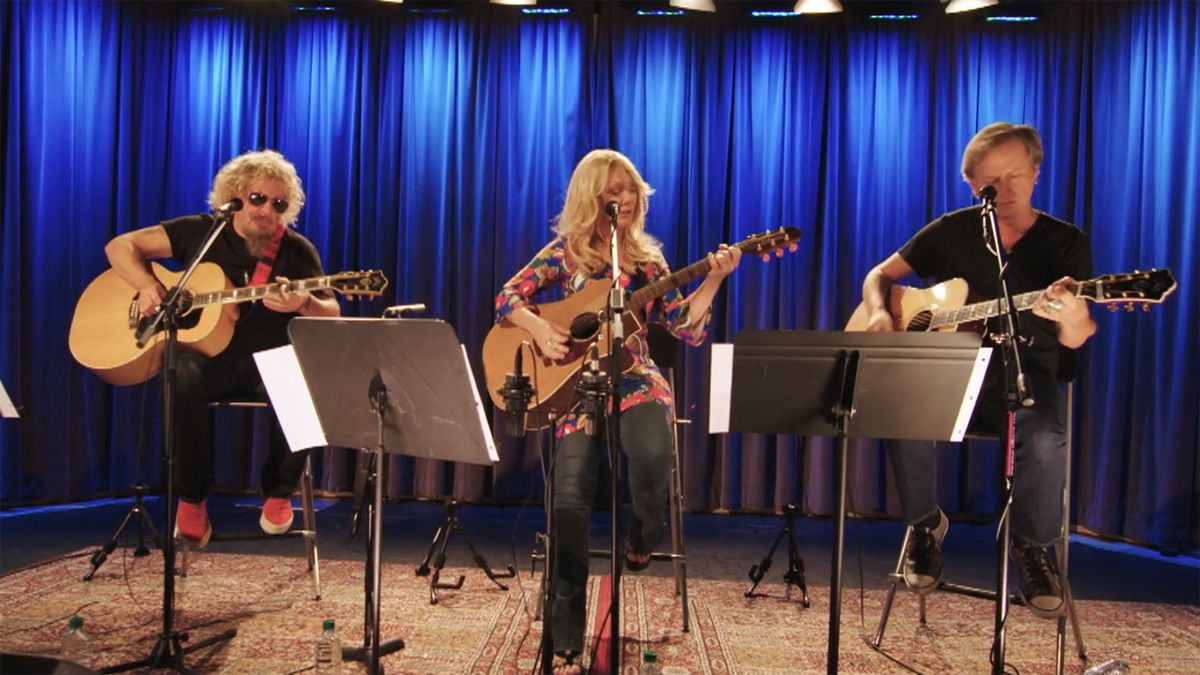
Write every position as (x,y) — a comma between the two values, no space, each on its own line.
(168,650)
(1016,393)
(616,341)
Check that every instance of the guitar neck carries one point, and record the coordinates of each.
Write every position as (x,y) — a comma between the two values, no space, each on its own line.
(247,293)
(979,311)
(676,279)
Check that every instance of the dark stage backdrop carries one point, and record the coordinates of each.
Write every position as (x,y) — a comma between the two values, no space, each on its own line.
(436,145)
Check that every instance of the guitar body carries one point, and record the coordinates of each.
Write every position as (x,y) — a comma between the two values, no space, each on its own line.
(554,380)
(103,340)
(913,307)
(582,315)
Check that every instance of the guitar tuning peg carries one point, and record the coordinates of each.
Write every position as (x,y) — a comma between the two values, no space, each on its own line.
(1129,307)
(1145,308)
(1113,308)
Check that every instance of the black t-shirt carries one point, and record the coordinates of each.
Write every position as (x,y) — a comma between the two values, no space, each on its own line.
(953,246)
(258,328)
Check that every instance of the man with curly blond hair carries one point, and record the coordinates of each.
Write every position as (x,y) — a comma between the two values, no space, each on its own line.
(258,247)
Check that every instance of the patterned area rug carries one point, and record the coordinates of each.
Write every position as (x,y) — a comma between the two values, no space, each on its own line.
(483,629)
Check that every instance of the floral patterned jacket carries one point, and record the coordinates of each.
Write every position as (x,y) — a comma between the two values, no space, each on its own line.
(643,382)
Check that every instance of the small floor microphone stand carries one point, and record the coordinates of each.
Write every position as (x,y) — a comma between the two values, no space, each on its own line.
(450,524)
(795,572)
(138,512)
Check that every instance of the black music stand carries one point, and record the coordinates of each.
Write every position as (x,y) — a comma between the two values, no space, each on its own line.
(849,385)
(399,386)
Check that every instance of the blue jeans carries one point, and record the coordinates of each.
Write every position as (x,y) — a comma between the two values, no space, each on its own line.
(1039,461)
(646,441)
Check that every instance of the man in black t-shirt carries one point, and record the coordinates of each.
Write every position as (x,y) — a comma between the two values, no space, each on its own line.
(1042,253)
(256,249)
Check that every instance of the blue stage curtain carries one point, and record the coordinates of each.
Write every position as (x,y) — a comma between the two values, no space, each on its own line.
(436,145)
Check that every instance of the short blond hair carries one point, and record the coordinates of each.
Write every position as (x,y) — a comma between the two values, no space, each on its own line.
(581,211)
(247,167)
(996,134)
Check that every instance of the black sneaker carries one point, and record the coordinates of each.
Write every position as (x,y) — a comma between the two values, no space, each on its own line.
(923,558)
(1040,587)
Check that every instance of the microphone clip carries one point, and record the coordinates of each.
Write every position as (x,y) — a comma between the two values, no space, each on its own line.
(592,388)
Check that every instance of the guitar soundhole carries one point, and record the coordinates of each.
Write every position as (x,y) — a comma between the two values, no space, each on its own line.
(585,326)
(920,322)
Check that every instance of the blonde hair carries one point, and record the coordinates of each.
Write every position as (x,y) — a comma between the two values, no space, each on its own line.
(247,167)
(581,211)
(996,134)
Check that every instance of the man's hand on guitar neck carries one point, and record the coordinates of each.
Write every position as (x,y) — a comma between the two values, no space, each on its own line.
(1058,303)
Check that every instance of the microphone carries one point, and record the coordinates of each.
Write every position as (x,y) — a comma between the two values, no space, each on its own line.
(396,310)
(234,204)
(988,195)
(516,393)
(591,389)
(613,209)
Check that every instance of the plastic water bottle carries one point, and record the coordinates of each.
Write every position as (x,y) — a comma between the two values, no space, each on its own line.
(329,650)
(1109,667)
(649,663)
(76,645)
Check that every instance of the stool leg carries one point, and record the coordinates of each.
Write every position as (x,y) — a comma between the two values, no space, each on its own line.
(895,577)
(679,560)
(310,526)
(1064,547)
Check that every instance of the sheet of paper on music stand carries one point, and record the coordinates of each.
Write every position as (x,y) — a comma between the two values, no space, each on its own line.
(722,386)
(7,409)
(483,421)
(293,405)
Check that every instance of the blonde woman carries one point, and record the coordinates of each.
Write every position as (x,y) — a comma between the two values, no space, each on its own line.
(579,254)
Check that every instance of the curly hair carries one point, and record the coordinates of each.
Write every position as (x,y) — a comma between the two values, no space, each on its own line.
(581,212)
(247,167)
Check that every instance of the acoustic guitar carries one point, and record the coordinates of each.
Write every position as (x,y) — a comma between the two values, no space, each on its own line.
(107,320)
(583,312)
(944,307)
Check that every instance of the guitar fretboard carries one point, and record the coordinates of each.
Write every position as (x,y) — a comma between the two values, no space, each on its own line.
(678,278)
(985,310)
(248,293)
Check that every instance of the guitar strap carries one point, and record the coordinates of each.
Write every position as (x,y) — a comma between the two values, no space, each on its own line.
(266,262)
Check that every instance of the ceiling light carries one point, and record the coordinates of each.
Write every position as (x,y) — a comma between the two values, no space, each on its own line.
(518,3)
(697,5)
(817,7)
(956,6)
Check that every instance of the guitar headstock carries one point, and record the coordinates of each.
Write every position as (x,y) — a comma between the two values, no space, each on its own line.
(1131,289)
(771,241)
(370,283)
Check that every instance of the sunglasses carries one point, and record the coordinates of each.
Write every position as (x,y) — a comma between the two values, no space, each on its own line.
(258,199)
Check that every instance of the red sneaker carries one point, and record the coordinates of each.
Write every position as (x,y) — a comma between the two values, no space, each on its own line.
(191,523)
(276,515)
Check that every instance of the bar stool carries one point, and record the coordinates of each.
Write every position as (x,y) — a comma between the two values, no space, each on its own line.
(896,578)
(309,530)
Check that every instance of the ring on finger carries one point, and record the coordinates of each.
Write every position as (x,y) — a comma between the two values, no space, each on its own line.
(1054,305)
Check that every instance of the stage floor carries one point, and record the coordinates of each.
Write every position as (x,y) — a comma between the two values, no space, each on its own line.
(718,546)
